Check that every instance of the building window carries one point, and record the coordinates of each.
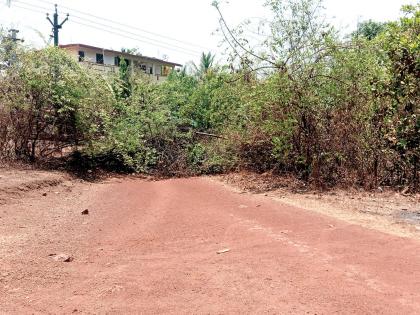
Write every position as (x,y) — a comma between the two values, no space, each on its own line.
(100,58)
(151,70)
(140,66)
(81,55)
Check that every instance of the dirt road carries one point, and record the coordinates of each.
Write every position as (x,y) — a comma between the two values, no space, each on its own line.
(152,248)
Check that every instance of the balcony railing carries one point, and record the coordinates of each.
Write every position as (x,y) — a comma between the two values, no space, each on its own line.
(100,67)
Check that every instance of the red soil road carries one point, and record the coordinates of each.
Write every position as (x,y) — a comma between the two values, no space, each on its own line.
(151,248)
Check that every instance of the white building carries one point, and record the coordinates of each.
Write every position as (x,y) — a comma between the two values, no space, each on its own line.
(109,60)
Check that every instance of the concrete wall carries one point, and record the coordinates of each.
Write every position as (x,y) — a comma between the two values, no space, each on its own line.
(109,62)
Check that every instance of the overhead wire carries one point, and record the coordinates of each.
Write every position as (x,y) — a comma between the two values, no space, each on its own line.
(117,29)
(136,39)
(29,9)
(132,33)
(120,32)
(124,25)
(36,11)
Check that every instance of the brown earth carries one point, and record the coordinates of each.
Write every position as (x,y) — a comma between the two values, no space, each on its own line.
(383,209)
(15,183)
(193,246)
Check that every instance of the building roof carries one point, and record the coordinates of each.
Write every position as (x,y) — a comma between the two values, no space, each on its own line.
(121,53)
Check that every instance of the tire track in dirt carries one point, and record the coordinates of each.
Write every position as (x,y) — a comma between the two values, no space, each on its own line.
(151,247)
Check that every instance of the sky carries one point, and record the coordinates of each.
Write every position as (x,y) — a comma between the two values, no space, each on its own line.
(178,30)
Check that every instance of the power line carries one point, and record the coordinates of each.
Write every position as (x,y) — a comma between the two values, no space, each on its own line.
(137,37)
(31,5)
(135,34)
(28,9)
(128,26)
(35,11)
(119,34)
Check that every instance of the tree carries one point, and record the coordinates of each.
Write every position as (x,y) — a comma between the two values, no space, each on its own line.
(48,101)
(131,51)
(401,42)
(206,64)
(369,29)
(124,79)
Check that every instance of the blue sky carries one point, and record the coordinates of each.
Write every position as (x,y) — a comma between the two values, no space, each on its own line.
(157,23)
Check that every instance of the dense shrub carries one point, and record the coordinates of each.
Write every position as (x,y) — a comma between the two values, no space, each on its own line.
(329,110)
(48,102)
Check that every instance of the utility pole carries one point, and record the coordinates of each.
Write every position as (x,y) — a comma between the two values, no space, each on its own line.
(13,36)
(8,3)
(10,46)
(56,26)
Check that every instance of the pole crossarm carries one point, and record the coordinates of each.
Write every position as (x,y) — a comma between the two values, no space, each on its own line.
(56,25)
(48,18)
(65,20)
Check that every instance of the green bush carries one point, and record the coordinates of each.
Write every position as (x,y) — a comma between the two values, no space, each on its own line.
(328,110)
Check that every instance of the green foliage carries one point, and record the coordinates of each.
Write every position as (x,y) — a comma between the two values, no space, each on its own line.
(48,98)
(307,102)
(131,51)
(206,64)
(124,88)
(324,114)
(211,104)
(402,113)
(370,29)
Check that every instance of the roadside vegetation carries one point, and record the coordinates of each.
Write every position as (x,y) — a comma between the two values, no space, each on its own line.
(298,98)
